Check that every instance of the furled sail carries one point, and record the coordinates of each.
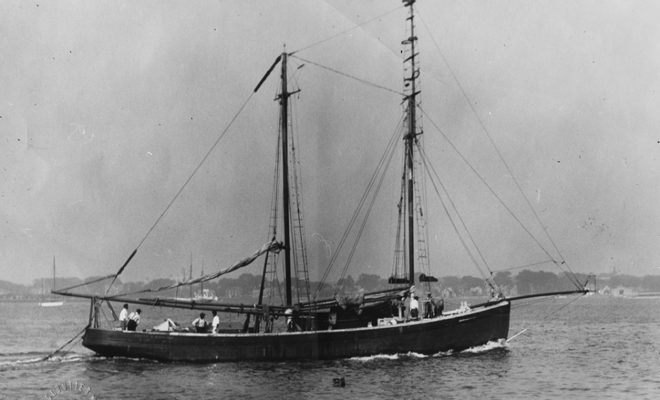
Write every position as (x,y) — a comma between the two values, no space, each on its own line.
(273,246)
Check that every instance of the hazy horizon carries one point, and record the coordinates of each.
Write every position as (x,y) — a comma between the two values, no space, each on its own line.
(355,277)
(107,107)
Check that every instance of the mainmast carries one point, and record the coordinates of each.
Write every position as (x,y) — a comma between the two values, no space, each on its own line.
(284,121)
(410,138)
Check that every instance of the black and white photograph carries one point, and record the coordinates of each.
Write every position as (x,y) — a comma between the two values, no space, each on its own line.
(329,199)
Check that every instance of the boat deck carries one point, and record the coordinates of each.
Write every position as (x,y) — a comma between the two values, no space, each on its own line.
(454,331)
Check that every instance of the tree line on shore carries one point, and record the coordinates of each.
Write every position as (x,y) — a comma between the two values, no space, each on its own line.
(247,285)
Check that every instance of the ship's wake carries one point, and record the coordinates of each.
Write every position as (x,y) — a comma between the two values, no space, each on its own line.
(15,360)
(497,345)
(491,346)
(397,356)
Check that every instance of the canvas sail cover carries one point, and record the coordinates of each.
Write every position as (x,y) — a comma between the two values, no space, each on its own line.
(273,246)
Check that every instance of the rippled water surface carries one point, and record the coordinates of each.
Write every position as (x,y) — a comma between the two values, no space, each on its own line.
(593,348)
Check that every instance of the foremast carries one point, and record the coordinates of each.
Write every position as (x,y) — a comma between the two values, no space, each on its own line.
(286,197)
(291,203)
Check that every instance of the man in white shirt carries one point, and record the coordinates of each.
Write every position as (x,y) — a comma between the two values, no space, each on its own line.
(215,322)
(200,323)
(123,317)
(134,320)
(414,307)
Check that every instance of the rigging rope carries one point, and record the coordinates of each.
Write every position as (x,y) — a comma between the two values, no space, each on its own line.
(357,211)
(84,283)
(271,258)
(345,31)
(499,199)
(399,259)
(299,212)
(368,212)
(572,277)
(430,169)
(272,246)
(65,344)
(548,315)
(562,307)
(527,265)
(344,74)
(422,219)
(185,184)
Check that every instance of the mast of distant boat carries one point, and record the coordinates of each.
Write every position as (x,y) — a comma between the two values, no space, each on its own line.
(190,276)
(45,301)
(54,286)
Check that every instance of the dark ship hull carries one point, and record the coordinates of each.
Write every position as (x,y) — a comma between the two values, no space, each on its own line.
(456,331)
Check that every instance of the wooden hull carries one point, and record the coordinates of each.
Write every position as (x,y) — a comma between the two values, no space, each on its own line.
(456,332)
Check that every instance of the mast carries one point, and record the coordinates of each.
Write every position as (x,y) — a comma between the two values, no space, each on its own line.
(201,284)
(54,273)
(284,121)
(410,138)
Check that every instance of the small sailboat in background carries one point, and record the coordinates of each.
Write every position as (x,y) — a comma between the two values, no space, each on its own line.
(49,301)
(204,295)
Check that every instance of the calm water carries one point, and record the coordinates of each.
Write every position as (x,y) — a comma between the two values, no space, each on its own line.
(595,348)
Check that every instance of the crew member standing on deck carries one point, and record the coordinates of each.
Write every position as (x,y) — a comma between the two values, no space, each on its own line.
(290,325)
(123,317)
(134,320)
(439,306)
(200,323)
(215,322)
(414,307)
(429,309)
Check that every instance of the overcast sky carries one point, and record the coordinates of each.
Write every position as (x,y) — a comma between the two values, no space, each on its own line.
(107,107)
